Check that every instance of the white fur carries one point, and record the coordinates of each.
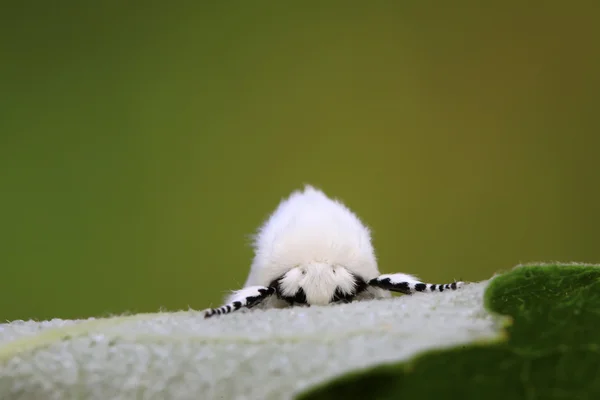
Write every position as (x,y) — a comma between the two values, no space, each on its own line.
(312,234)
(399,277)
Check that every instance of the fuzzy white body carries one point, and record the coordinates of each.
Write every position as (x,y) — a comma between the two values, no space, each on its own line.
(314,251)
(315,243)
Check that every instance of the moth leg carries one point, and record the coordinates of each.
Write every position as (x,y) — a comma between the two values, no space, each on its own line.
(408,284)
(247,297)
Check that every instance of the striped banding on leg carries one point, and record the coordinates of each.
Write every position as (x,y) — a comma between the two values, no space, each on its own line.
(247,297)
(408,284)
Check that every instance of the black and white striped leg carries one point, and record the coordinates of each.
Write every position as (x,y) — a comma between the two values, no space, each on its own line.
(246,297)
(408,284)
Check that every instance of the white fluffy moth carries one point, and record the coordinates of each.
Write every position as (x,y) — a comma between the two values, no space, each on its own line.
(313,250)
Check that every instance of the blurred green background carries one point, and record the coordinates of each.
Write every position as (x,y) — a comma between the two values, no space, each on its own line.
(142,143)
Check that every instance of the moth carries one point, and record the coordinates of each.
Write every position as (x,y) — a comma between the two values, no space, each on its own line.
(313,250)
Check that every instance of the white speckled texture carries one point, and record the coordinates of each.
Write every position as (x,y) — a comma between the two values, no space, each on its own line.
(245,355)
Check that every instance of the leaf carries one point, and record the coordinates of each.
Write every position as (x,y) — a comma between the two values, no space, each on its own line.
(254,355)
(552,350)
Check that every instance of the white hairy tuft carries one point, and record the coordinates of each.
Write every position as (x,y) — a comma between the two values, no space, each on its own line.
(319,238)
(399,277)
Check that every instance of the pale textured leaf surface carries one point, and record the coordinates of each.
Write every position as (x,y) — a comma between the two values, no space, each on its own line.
(258,354)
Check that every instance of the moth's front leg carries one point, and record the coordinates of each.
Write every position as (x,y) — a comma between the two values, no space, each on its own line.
(408,284)
(244,298)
